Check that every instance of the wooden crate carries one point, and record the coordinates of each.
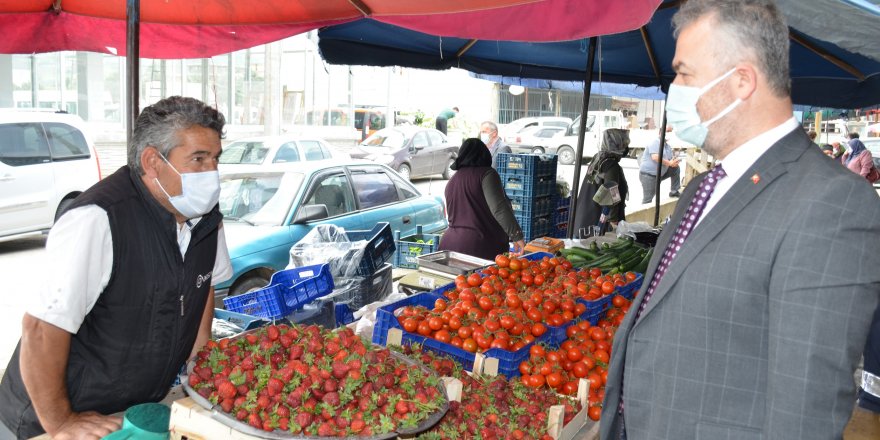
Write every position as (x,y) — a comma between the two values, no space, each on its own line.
(189,421)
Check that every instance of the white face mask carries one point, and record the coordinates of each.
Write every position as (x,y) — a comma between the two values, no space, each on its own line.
(200,192)
(485,138)
(681,111)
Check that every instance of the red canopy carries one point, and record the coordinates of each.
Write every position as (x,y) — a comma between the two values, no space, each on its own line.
(204,28)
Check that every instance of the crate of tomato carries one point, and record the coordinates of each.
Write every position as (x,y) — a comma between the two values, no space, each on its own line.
(499,312)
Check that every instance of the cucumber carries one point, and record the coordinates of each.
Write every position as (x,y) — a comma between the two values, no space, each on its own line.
(594,246)
(642,266)
(583,253)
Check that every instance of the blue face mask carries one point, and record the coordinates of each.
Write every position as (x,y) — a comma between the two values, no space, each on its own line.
(681,111)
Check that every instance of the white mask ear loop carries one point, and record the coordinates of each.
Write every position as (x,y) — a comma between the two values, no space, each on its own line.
(723,113)
(157,179)
(715,81)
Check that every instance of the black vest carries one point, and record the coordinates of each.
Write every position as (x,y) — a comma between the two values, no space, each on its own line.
(133,342)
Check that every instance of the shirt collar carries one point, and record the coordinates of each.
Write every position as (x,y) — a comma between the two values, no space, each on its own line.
(743,157)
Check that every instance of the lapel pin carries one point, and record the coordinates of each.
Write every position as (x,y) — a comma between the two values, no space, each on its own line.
(756,178)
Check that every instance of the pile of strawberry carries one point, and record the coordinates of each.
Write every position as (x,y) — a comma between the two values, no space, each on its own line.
(307,380)
(510,305)
(583,355)
(491,407)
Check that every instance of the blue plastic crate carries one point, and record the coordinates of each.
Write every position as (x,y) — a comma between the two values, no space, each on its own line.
(380,247)
(563,202)
(535,164)
(560,230)
(267,302)
(630,289)
(245,322)
(530,207)
(408,249)
(344,314)
(528,186)
(535,227)
(508,362)
(596,309)
(302,285)
(560,216)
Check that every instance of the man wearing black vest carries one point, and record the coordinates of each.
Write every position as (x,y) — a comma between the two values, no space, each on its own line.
(129,294)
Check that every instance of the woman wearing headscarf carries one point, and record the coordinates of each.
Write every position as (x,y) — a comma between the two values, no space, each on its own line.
(481,221)
(858,159)
(605,170)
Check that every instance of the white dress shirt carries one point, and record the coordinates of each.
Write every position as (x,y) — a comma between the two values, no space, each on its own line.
(742,158)
(79,257)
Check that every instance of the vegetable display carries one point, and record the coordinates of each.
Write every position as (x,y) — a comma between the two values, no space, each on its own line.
(307,380)
(621,256)
(512,304)
(492,407)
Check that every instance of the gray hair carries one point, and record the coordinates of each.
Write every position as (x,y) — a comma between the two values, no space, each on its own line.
(158,126)
(753,29)
(491,125)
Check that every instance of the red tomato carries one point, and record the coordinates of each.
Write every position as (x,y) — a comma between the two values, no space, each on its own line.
(597,334)
(580,370)
(410,325)
(554,380)
(469,345)
(502,261)
(538,329)
(574,354)
(474,280)
(595,413)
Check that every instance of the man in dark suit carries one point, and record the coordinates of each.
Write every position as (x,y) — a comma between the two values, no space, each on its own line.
(746,326)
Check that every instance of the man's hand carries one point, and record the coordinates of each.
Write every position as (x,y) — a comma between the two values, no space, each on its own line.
(674,163)
(86,425)
(518,246)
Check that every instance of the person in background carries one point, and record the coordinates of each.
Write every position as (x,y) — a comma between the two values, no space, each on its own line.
(741,329)
(828,149)
(812,135)
(857,158)
(128,296)
(443,117)
(604,169)
(837,149)
(481,221)
(489,136)
(648,169)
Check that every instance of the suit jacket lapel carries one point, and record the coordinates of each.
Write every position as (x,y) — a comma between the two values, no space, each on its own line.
(769,167)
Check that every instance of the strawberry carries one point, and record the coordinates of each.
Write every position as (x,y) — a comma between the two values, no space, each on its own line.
(272,332)
(275,386)
(331,398)
(254,420)
(304,419)
(326,430)
(226,390)
(226,404)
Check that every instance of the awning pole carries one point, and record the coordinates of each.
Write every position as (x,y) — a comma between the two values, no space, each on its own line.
(660,167)
(132,65)
(575,184)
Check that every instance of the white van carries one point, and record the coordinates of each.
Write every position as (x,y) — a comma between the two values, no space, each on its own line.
(46,160)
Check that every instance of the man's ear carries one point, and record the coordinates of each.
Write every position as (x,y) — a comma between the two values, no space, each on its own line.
(150,162)
(745,80)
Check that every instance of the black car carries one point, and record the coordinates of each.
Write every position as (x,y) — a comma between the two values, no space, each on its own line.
(411,151)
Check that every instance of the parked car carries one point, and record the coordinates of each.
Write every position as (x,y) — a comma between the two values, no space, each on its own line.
(277,149)
(46,160)
(411,151)
(535,139)
(511,130)
(268,210)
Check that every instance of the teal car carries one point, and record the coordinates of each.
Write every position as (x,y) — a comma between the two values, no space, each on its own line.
(269,209)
